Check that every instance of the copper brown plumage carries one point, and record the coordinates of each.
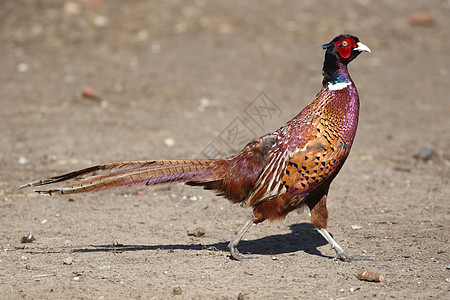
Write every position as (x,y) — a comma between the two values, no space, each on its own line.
(276,174)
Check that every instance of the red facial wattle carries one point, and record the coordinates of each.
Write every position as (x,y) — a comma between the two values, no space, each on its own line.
(345,46)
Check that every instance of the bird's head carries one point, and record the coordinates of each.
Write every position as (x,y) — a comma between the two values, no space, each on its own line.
(346,47)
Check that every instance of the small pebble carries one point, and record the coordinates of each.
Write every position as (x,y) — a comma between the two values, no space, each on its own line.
(104,104)
(274,258)
(169,142)
(176,291)
(68,261)
(142,35)
(197,232)
(421,18)
(23,160)
(119,88)
(180,27)
(355,227)
(425,154)
(156,47)
(76,278)
(101,21)
(204,103)
(22,67)
(28,238)
(44,221)
(88,92)
(71,8)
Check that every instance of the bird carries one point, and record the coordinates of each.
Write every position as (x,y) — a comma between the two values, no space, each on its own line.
(287,170)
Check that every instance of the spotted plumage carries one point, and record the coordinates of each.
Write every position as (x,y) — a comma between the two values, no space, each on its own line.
(276,174)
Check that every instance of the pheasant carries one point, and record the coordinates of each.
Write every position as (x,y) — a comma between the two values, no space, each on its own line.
(280,172)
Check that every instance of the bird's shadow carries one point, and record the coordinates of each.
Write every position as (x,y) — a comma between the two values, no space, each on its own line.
(303,237)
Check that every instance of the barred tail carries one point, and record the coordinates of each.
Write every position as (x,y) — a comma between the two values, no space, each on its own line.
(126,174)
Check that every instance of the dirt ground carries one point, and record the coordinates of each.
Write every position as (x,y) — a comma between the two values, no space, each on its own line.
(174,77)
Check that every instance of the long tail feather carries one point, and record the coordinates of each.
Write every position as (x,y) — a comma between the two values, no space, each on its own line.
(135,173)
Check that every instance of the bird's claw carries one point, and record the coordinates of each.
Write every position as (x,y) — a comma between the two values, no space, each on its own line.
(238,255)
(351,257)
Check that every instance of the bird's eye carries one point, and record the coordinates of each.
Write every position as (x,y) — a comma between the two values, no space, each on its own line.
(344,44)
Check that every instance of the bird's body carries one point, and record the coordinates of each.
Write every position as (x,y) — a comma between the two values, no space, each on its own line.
(276,174)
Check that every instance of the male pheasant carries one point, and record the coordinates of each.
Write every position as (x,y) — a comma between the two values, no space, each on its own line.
(276,174)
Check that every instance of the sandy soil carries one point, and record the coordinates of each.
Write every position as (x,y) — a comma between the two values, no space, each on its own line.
(173,76)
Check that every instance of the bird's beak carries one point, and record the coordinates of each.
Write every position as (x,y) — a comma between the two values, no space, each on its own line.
(361,47)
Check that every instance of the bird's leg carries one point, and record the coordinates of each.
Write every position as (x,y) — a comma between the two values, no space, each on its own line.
(235,241)
(319,218)
(340,253)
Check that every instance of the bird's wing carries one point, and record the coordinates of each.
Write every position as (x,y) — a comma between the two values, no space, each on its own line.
(299,171)
(269,183)
(308,168)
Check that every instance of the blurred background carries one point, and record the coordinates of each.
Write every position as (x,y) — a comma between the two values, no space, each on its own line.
(161,66)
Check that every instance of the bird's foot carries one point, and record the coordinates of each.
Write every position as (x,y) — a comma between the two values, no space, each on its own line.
(238,255)
(342,255)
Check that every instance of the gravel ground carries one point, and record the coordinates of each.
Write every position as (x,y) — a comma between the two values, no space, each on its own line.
(171,77)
